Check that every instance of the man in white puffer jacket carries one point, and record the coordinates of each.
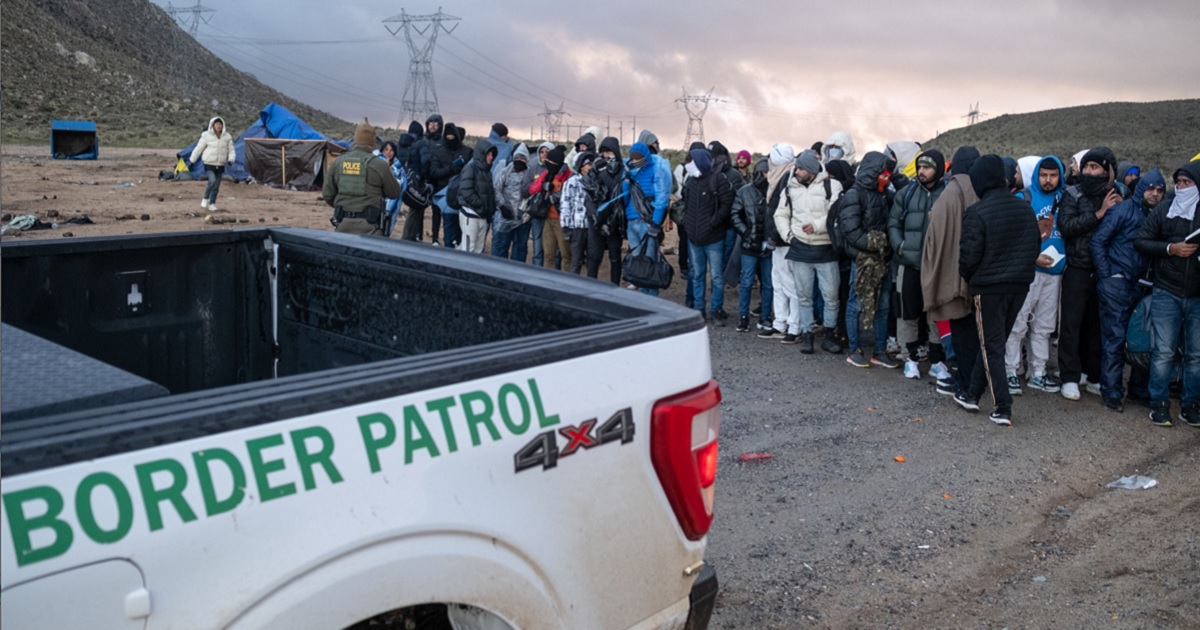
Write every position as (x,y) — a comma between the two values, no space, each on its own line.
(801,224)
(216,148)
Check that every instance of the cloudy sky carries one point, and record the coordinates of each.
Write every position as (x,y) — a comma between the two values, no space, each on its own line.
(782,70)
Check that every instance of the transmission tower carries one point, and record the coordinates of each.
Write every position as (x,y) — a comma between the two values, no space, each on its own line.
(696,106)
(198,14)
(973,114)
(553,121)
(420,96)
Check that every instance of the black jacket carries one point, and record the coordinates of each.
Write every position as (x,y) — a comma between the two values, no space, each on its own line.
(1077,221)
(1178,276)
(1000,237)
(707,202)
(442,165)
(907,225)
(475,189)
(413,152)
(864,209)
(751,214)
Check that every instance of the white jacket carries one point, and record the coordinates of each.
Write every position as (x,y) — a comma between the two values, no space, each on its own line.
(215,151)
(808,205)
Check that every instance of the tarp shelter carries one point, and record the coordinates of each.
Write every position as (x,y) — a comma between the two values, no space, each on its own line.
(290,163)
(73,140)
(274,121)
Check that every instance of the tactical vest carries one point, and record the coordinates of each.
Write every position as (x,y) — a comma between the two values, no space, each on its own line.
(352,176)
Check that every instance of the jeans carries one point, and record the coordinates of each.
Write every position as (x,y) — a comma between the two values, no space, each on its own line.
(712,257)
(1118,297)
(1175,323)
(213,187)
(450,223)
(826,276)
(854,307)
(513,244)
(753,266)
(636,233)
(535,233)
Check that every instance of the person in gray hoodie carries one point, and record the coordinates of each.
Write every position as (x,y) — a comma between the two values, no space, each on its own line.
(510,226)
(536,168)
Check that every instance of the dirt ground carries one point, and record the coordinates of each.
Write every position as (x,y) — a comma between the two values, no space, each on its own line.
(979,527)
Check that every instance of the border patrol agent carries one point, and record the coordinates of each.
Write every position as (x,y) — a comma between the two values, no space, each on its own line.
(356,184)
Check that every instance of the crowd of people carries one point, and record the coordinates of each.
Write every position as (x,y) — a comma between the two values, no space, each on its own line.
(974,264)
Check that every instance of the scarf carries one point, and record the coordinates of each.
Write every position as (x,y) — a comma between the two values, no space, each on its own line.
(1184,205)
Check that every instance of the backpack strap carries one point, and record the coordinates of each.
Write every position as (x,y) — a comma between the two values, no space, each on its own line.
(828,190)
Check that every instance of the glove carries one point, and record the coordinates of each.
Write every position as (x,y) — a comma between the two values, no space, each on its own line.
(547,185)
(654,231)
(506,211)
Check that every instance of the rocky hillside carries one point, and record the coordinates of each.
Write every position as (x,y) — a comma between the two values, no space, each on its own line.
(1163,134)
(126,65)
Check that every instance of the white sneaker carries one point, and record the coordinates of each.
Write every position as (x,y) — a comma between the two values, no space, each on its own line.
(212,207)
(1070,391)
(940,371)
(912,370)
(204,203)
(1093,388)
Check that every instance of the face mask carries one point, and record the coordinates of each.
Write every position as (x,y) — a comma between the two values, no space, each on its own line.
(520,165)
(691,169)
(637,163)
(1185,203)
(1093,185)
(882,182)
(836,153)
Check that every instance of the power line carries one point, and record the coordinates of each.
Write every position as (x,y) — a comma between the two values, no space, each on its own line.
(199,14)
(696,107)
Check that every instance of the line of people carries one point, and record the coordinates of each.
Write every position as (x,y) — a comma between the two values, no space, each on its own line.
(959,260)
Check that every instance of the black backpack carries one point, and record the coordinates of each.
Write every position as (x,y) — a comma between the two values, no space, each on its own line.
(452,192)
(833,222)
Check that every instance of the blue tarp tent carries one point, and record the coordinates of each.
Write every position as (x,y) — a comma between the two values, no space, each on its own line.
(274,121)
(73,140)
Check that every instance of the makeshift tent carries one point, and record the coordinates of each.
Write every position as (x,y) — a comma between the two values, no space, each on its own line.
(290,163)
(73,140)
(274,121)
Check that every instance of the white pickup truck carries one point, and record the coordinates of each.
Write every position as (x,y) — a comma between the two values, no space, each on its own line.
(283,428)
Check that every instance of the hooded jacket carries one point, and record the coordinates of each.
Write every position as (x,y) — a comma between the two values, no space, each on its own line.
(213,149)
(909,219)
(943,289)
(612,172)
(663,180)
(435,137)
(707,202)
(1000,238)
(1045,209)
(864,209)
(588,138)
(843,140)
(652,178)
(504,148)
(443,165)
(1113,251)
(1178,276)
(475,189)
(413,150)
(536,166)
(509,185)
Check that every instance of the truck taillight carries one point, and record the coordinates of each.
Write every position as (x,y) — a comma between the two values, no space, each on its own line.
(683,448)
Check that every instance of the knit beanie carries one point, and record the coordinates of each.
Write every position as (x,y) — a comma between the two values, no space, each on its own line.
(935,160)
(500,129)
(554,161)
(364,134)
(809,161)
(1102,156)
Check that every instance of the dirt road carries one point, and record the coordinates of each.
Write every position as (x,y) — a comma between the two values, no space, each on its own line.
(979,527)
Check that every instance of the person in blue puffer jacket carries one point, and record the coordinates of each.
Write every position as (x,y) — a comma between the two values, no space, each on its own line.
(1119,267)
(645,169)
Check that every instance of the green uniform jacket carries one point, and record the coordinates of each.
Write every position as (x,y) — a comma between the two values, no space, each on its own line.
(358,180)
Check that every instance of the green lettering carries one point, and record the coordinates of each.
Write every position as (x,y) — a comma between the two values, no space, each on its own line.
(323,456)
(507,390)
(87,516)
(482,416)
(442,407)
(374,444)
(544,421)
(263,468)
(21,524)
(416,436)
(212,504)
(173,493)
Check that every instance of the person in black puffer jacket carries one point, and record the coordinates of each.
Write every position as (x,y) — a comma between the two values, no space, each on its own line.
(865,209)
(1175,300)
(449,158)
(707,200)
(751,214)
(997,254)
(414,152)
(608,231)
(1083,205)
